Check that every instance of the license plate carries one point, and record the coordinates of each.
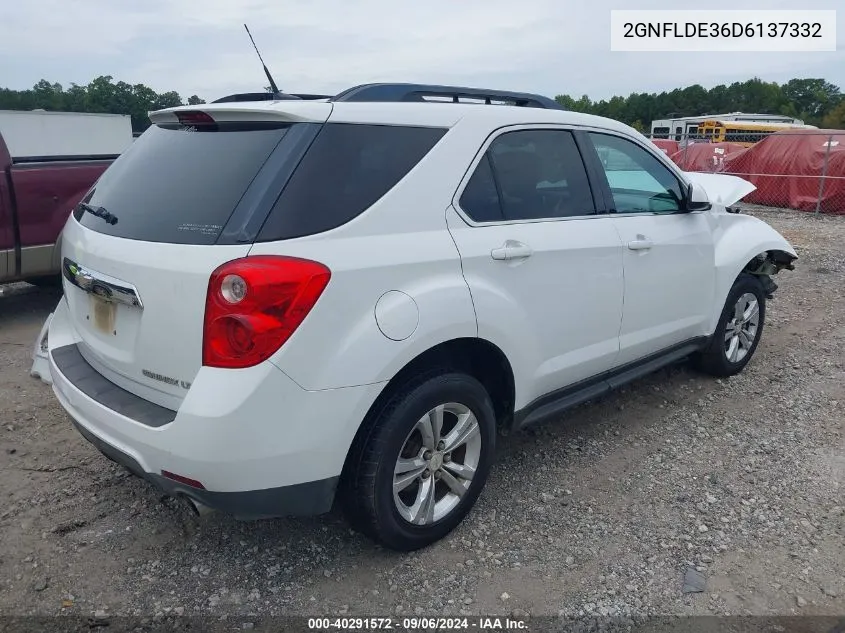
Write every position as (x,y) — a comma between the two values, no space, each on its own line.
(104,314)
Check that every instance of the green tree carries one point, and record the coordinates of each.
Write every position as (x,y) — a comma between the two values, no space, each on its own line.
(810,99)
(101,94)
(835,119)
(168,100)
(75,98)
(566,101)
(813,98)
(789,109)
(48,96)
(143,104)
(583,104)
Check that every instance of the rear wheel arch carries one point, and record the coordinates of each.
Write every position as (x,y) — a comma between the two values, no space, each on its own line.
(475,357)
(469,372)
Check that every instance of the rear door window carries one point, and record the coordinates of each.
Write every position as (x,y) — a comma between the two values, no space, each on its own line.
(347,169)
(536,175)
(180,185)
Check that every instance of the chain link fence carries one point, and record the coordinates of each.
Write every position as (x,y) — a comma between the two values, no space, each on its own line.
(792,169)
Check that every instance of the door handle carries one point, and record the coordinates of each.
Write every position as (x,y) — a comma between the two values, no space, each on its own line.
(642,243)
(511,250)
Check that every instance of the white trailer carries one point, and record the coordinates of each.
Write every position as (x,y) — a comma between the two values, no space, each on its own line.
(35,134)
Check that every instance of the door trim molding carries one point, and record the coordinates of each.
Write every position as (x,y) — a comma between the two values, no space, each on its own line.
(560,400)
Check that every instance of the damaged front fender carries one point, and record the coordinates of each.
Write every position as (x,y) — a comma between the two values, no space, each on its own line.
(767,264)
(747,244)
(742,242)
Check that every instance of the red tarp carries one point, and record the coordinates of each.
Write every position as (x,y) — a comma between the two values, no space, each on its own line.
(708,157)
(786,168)
(669,147)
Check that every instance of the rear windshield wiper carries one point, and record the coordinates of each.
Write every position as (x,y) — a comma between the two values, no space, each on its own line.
(100,212)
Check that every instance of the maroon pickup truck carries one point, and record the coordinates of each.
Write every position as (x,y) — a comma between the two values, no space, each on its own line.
(36,197)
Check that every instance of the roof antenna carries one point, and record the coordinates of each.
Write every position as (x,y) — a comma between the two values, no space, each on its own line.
(273,86)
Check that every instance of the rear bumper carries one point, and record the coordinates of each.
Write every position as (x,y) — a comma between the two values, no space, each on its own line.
(40,358)
(313,497)
(260,445)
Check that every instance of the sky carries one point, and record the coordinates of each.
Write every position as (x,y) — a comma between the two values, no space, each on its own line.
(323,46)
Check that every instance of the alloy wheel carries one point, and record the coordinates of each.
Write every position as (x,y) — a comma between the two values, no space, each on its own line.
(437,464)
(741,329)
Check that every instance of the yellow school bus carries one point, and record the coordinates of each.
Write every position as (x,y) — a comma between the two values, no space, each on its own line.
(742,132)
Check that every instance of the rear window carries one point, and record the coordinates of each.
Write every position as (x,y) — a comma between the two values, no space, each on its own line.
(348,168)
(180,185)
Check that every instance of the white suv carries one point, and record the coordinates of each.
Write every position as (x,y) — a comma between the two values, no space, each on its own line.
(271,306)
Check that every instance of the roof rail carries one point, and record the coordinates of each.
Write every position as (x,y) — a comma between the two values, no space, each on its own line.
(419,92)
(268,96)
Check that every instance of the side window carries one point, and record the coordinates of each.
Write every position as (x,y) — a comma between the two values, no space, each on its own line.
(347,169)
(539,173)
(480,199)
(639,182)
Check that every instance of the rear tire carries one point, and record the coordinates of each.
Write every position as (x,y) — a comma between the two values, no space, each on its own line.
(421,461)
(738,331)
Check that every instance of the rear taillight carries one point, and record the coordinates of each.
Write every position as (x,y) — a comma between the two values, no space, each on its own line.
(253,306)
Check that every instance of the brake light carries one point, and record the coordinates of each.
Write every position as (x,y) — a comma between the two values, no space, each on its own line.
(254,304)
(194,117)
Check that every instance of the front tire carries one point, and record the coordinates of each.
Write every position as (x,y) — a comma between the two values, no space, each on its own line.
(421,462)
(738,331)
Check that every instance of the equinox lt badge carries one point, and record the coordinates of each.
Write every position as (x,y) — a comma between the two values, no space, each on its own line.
(166,379)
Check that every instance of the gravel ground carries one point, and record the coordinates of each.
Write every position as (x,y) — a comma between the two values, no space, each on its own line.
(677,495)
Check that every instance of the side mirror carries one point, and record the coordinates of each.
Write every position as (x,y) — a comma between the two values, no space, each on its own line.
(697,198)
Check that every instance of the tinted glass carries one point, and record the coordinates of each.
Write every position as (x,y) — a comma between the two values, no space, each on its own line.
(348,168)
(639,182)
(480,200)
(179,185)
(541,175)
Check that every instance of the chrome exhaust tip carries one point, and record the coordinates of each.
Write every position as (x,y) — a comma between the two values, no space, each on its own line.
(199,509)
